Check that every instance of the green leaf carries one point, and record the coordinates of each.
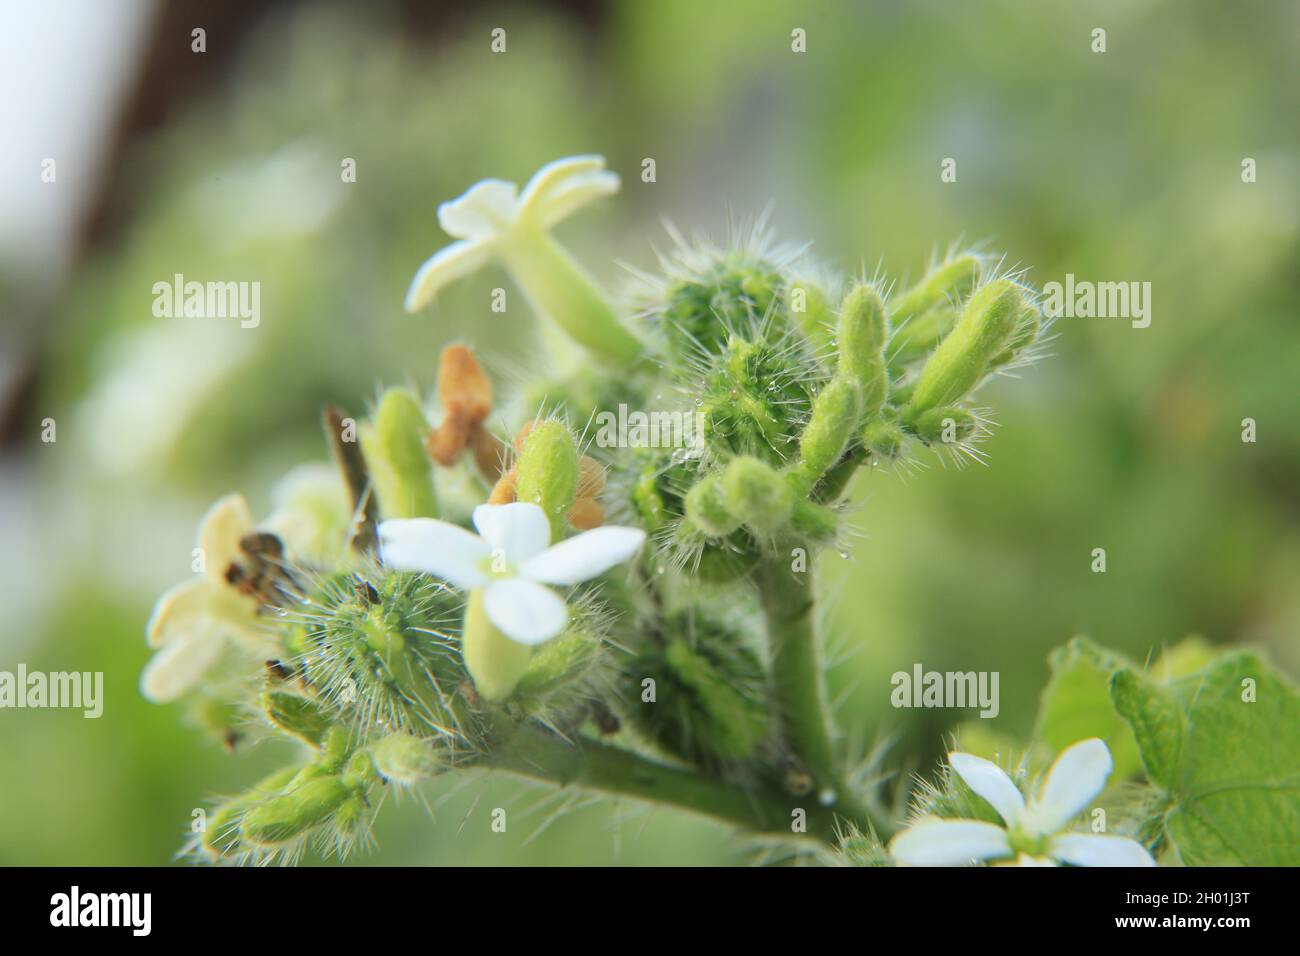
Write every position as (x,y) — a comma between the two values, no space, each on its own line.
(1224,746)
(1076,704)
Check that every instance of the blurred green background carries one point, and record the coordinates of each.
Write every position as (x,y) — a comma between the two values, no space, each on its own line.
(1115,166)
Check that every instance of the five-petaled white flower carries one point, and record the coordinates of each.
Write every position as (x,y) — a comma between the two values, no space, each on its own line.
(493,219)
(510,560)
(1034,833)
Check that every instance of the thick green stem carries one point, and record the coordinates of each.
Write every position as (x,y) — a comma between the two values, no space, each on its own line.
(799,684)
(589,765)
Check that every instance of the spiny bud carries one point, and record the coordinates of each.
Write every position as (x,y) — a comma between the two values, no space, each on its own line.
(221,836)
(406,760)
(547,473)
(950,281)
(305,805)
(399,468)
(861,340)
(1028,326)
(883,439)
(296,715)
(836,413)
(756,492)
(963,358)
(947,424)
(494,661)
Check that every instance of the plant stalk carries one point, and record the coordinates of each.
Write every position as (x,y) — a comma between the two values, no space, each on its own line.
(590,765)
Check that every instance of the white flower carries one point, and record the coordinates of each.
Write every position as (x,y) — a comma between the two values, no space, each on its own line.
(492,216)
(1034,831)
(510,560)
(192,622)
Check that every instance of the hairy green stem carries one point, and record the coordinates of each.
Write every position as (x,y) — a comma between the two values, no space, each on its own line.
(592,766)
(799,684)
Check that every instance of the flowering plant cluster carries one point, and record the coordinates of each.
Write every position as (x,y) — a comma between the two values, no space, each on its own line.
(472,585)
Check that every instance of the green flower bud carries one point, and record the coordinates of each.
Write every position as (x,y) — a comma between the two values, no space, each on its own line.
(709,509)
(760,495)
(495,661)
(861,340)
(1027,328)
(305,806)
(221,835)
(950,425)
(884,439)
(556,669)
(548,472)
(406,760)
(963,358)
(296,715)
(949,282)
(400,471)
(919,336)
(836,414)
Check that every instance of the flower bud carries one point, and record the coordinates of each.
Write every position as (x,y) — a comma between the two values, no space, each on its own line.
(296,715)
(708,508)
(920,335)
(861,340)
(404,759)
(399,469)
(758,494)
(948,424)
(963,358)
(948,282)
(836,413)
(547,473)
(1027,328)
(304,806)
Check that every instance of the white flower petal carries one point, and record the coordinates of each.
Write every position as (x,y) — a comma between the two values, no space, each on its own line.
(936,842)
(198,606)
(553,176)
(584,556)
(486,209)
(178,667)
(989,781)
(1099,849)
(524,611)
(563,201)
(1078,775)
(220,530)
(518,530)
(435,547)
(445,266)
